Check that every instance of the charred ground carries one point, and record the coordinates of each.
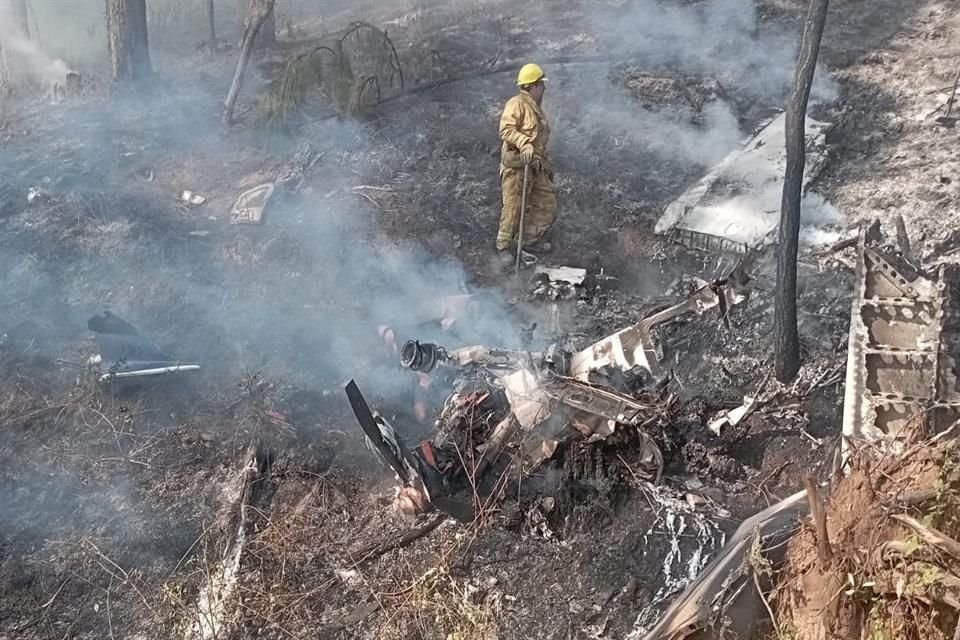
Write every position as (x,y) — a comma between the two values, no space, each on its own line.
(116,507)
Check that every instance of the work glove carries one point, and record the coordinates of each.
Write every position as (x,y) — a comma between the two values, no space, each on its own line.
(526,153)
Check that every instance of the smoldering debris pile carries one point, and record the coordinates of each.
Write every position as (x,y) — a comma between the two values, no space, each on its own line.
(511,410)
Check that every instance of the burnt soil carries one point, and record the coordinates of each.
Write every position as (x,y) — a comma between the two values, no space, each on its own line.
(116,505)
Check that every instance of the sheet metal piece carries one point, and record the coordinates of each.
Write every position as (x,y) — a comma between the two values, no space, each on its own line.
(605,403)
(902,352)
(746,213)
(716,593)
(125,355)
(635,346)
(249,207)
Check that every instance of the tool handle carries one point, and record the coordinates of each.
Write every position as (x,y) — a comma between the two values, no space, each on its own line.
(523,210)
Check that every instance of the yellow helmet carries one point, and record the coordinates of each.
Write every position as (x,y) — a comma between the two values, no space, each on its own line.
(529,73)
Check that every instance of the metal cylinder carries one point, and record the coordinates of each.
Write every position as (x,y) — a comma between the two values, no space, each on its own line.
(420,357)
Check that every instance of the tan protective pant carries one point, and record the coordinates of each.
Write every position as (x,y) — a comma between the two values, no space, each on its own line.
(541,207)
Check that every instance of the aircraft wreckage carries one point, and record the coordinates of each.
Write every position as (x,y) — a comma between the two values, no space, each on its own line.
(904,345)
(510,410)
(125,357)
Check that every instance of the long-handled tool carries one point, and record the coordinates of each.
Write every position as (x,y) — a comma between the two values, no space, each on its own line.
(949,120)
(523,211)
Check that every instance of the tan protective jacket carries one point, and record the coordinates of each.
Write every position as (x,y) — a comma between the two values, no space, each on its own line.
(523,121)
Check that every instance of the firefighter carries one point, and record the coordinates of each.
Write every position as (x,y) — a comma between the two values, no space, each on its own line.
(524,133)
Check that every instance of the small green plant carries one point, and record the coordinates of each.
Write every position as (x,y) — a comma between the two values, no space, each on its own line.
(860,590)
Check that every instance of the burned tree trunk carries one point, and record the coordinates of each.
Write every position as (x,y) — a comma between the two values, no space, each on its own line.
(267,36)
(14,28)
(786,337)
(6,87)
(211,21)
(127,40)
(14,13)
(257,12)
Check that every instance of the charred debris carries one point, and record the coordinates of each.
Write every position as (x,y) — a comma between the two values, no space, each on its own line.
(509,410)
(883,496)
(870,548)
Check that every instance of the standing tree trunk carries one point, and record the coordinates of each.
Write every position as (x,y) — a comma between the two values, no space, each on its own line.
(267,37)
(6,86)
(127,40)
(257,12)
(787,340)
(241,21)
(211,20)
(13,27)
(14,13)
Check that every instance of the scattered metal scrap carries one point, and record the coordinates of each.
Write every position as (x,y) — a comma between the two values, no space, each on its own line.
(751,404)
(902,362)
(192,198)
(902,373)
(511,409)
(635,348)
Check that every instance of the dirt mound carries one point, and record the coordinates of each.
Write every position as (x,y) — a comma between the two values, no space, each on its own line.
(888,562)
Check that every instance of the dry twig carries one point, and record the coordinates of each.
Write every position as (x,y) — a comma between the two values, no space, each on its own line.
(930,535)
(410,535)
(824,551)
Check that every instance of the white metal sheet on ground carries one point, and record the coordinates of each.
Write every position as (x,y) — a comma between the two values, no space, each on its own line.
(573,275)
(736,205)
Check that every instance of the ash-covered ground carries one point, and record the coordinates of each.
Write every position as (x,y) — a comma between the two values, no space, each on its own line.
(120,508)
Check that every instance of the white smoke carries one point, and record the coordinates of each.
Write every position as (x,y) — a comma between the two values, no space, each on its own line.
(24,58)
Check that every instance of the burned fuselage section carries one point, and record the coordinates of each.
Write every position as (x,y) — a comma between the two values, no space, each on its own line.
(510,410)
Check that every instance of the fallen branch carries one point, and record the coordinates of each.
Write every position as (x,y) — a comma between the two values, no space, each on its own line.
(367,197)
(410,535)
(257,12)
(124,577)
(931,536)
(32,414)
(492,62)
(770,476)
(54,596)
